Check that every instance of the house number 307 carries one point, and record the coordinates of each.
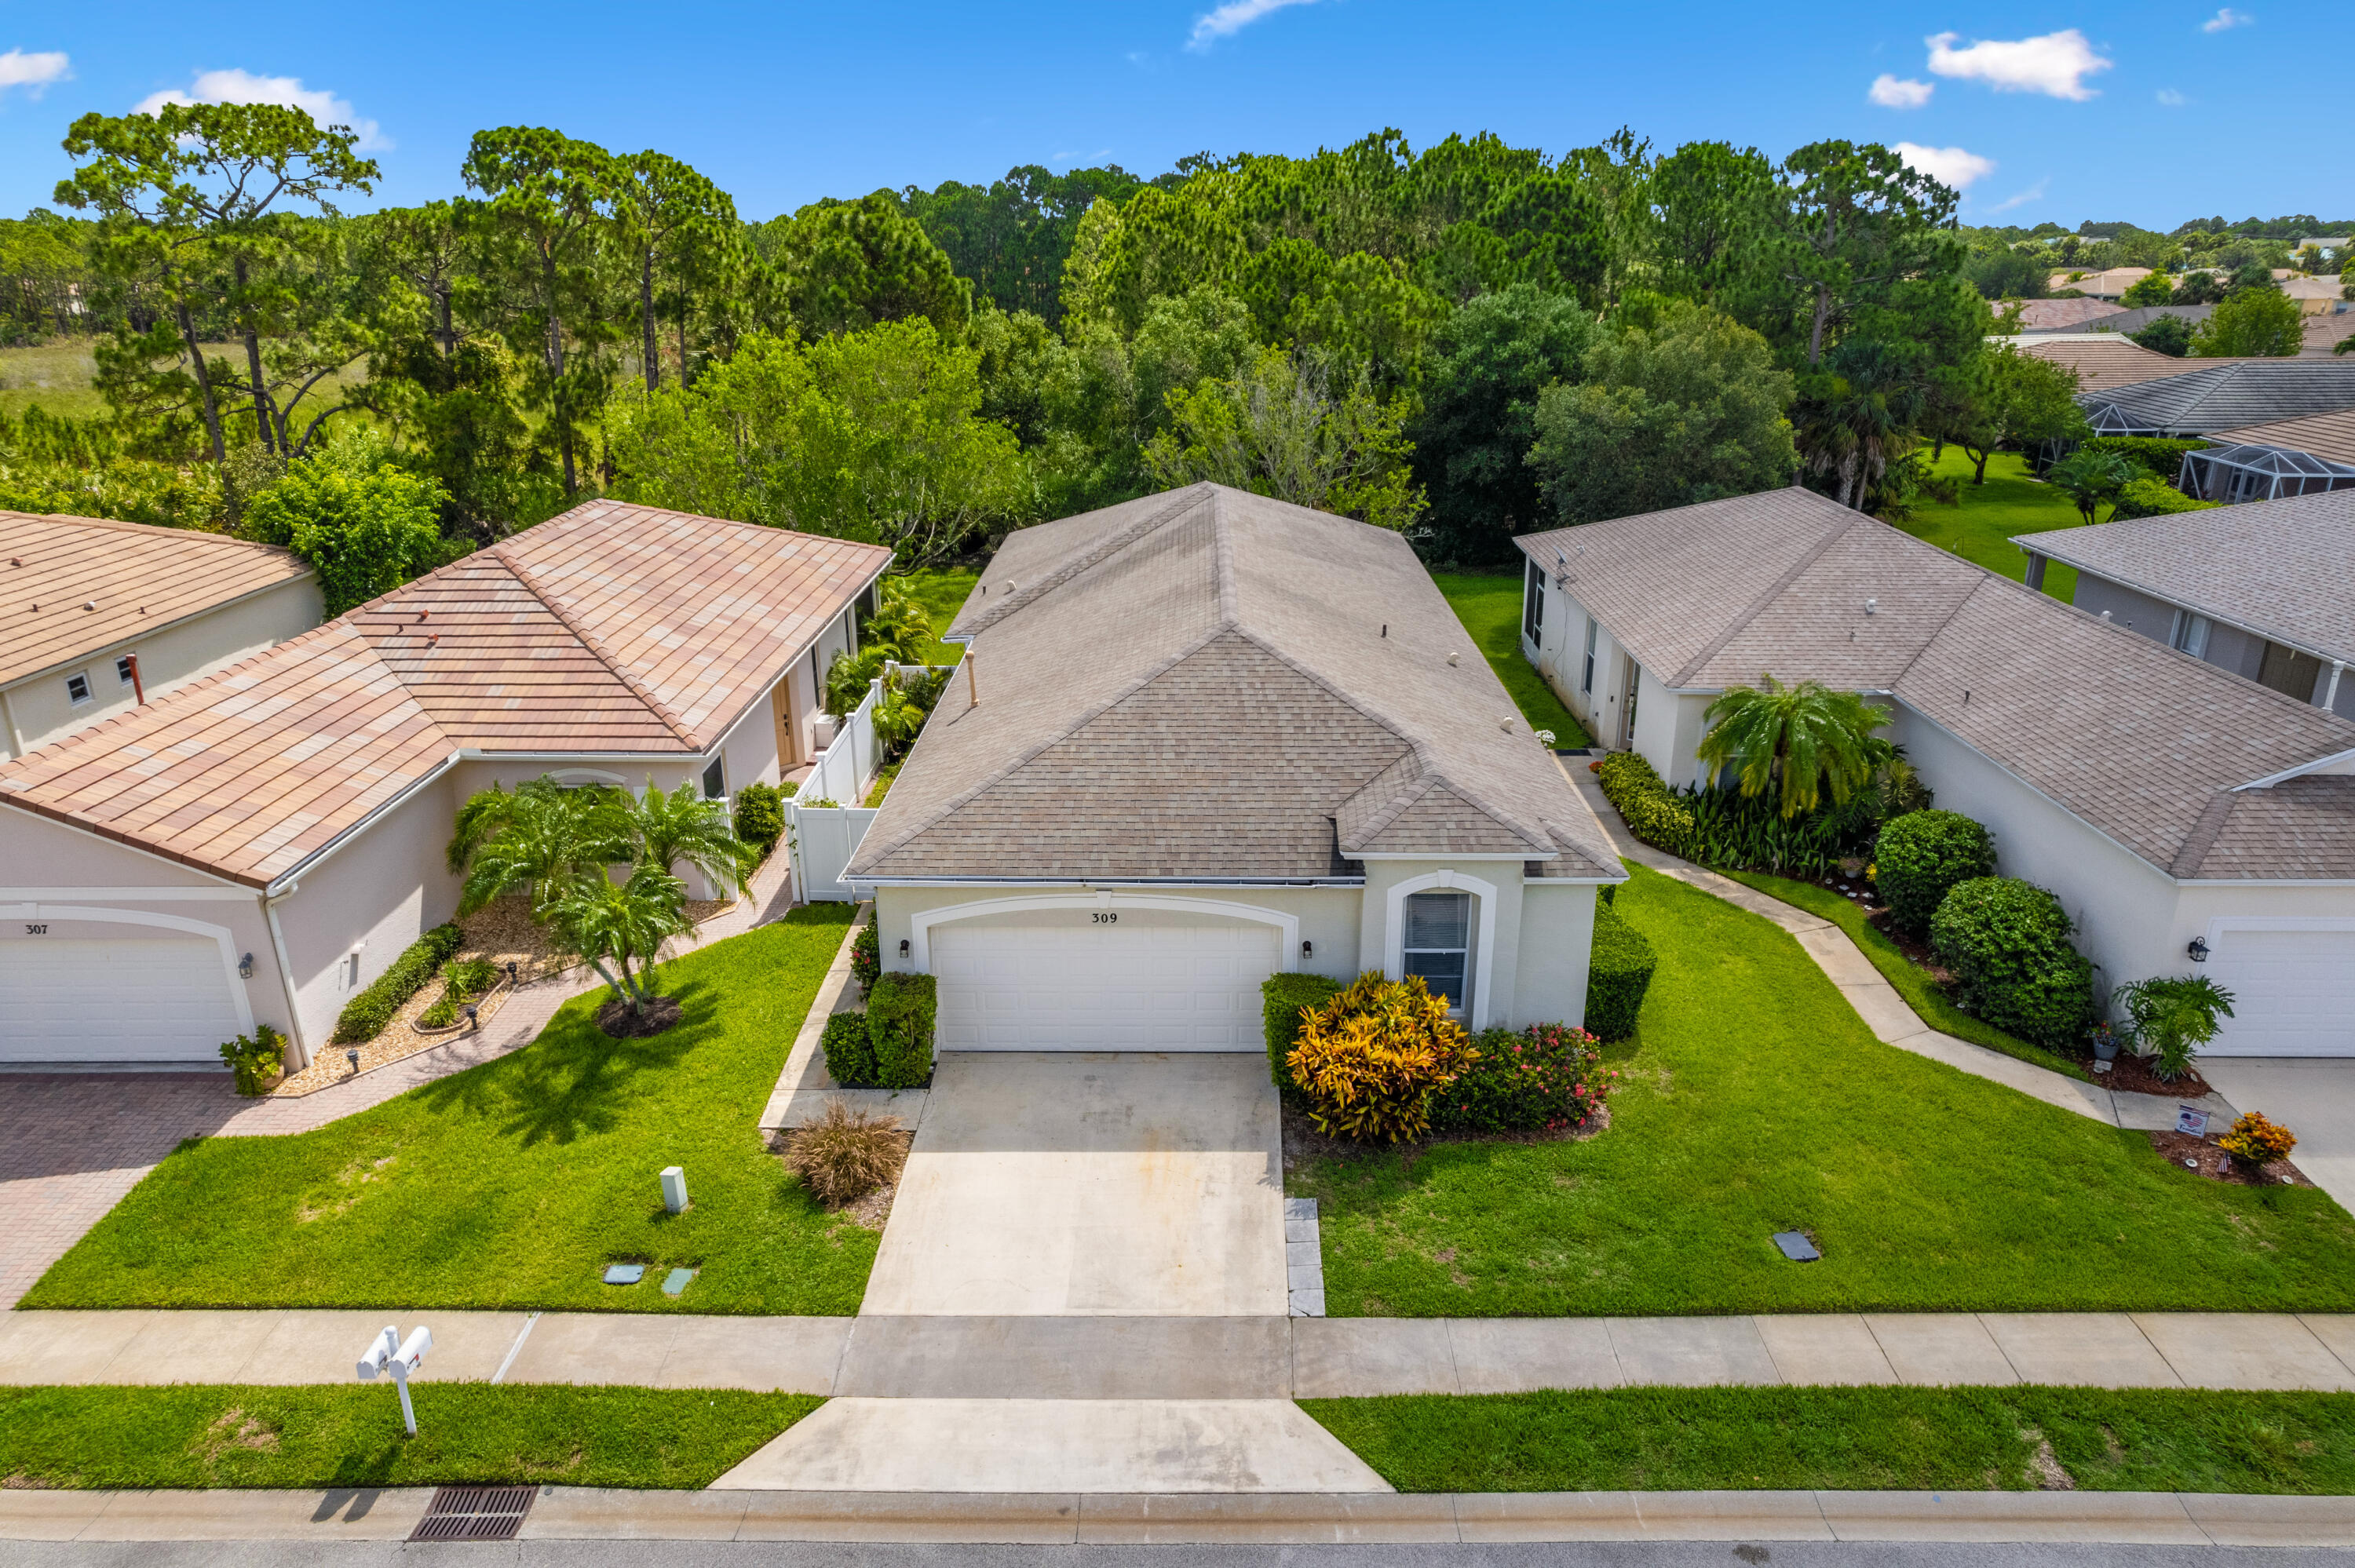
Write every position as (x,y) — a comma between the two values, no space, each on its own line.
(1107,919)
(33,930)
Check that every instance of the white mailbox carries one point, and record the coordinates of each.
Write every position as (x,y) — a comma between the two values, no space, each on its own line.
(391,1353)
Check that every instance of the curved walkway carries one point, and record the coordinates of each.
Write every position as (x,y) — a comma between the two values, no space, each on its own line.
(1884,1012)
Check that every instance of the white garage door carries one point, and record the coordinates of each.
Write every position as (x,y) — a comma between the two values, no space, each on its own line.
(2293,992)
(136,1000)
(1066,987)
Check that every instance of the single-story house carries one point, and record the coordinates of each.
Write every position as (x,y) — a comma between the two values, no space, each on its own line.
(2330,437)
(2236,471)
(2222,395)
(2181,812)
(2057,315)
(2101,360)
(2106,284)
(2259,589)
(2109,319)
(262,842)
(104,615)
(1203,738)
(2319,295)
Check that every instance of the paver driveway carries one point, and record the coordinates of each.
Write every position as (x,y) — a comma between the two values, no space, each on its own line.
(1069,1182)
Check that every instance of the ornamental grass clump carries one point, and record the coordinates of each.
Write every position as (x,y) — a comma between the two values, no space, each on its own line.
(1548,1078)
(2255,1142)
(1372,1058)
(845,1154)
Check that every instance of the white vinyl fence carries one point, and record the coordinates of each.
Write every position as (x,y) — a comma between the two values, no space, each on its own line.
(822,839)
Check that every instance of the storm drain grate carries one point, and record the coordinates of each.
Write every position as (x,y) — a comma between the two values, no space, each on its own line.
(475,1513)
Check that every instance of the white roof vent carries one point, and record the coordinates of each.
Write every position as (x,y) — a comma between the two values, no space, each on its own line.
(1451,660)
(1872,607)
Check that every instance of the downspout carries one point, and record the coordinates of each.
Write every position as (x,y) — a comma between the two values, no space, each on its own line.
(286,974)
(8,717)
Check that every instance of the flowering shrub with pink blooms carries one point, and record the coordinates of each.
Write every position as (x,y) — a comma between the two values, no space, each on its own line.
(1546,1078)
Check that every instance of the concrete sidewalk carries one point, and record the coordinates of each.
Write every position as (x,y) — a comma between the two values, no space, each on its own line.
(1201,1357)
(565,1513)
(1886,1012)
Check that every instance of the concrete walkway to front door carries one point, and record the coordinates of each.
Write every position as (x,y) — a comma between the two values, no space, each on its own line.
(1079,1184)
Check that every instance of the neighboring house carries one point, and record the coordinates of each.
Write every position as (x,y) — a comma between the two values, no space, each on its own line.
(2108,318)
(2101,360)
(2318,296)
(262,842)
(2107,284)
(1216,737)
(2330,437)
(2234,471)
(2162,799)
(102,613)
(2260,589)
(2057,315)
(2221,395)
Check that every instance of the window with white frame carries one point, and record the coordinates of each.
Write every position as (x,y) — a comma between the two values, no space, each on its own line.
(1586,669)
(122,671)
(1532,601)
(76,689)
(2190,633)
(715,780)
(1437,945)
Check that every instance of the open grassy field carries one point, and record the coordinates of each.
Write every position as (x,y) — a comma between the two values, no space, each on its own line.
(311,1437)
(514,1183)
(1755,1100)
(1981,528)
(56,375)
(1925,1439)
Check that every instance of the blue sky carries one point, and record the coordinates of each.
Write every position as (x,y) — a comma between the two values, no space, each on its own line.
(2153,113)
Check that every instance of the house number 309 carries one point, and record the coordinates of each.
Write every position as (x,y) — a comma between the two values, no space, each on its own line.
(1107,919)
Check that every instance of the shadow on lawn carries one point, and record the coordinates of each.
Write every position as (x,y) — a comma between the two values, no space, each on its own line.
(570,1083)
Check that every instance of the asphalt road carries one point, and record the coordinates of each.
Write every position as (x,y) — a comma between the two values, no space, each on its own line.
(787,1554)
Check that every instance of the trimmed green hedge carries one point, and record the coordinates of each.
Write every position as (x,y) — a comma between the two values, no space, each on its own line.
(867,956)
(761,816)
(1651,812)
(365,1016)
(1618,973)
(1921,856)
(900,1013)
(2148,497)
(1281,998)
(2157,455)
(2006,943)
(850,1051)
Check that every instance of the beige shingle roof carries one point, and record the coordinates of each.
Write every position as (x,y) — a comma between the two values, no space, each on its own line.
(2327,436)
(1210,685)
(139,579)
(2103,360)
(611,629)
(2274,566)
(2302,827)
(2128,734)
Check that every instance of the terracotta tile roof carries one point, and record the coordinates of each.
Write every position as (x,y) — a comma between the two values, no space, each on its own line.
(2128,734)
(1208,684)
(610,629)
(2101,360)
(2327,436)
(140,578)
(2278,568)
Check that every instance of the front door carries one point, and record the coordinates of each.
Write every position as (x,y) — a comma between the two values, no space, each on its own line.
(780,705)
(1628,706)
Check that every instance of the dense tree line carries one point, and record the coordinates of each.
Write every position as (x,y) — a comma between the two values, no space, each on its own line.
(1462,342)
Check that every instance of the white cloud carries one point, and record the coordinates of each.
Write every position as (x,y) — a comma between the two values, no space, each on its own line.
(2172,99)
(1232,17)
(1892,93)
(2226,20)
(2055,64)
(32,72)
(2033,193)
(244,86)
(1947,165)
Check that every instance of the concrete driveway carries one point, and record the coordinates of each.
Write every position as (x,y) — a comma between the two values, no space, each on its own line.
(2314,1097)
(1057,1183)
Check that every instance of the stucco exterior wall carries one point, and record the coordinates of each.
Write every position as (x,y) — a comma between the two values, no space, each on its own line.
(170,657)
(1562,658)
(1556,939)
(375,896)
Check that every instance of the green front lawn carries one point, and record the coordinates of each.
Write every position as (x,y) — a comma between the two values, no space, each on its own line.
(317,1437)
(513,1184)
(1912,1439)
(1919,992)
(942,594)
(1755,1100)
(1491,609)
(1982,528)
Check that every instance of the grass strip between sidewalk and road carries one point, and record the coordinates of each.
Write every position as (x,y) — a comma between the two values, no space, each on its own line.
(216,1434)
(1753,1099)
(1909,978)
(513,1184)
(1846,1439)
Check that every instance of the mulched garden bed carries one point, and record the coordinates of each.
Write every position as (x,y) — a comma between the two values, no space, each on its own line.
(2215,1165)
(617,1017)
(2131,1075)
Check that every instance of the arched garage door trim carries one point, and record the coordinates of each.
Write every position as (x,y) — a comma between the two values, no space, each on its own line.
(220,934)
(920,944)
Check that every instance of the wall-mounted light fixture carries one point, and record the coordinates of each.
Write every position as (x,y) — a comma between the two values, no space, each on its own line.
(1308,950)
(245,967)
(903,947)
(2199,949)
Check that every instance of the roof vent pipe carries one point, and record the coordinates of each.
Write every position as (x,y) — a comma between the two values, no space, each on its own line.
(1451,660)
(1872,607)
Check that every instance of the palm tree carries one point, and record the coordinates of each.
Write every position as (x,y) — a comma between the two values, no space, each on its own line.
(1806,739)
(2091,478)
(617,930)
(536,840)
(1855,418)
(660,831)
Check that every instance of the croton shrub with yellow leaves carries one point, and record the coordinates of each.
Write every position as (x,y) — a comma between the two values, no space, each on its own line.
(1370,1059)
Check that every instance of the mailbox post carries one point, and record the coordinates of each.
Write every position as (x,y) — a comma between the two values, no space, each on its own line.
(389,1352)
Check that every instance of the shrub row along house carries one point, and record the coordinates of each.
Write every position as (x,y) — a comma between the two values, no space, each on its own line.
(2183,813)
(261,843)
(1205,737)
